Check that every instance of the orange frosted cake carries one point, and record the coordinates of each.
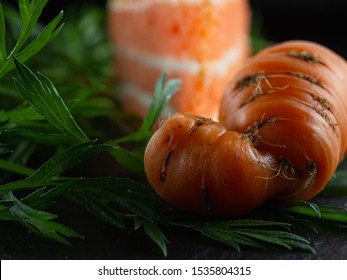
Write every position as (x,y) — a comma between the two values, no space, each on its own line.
(202,42)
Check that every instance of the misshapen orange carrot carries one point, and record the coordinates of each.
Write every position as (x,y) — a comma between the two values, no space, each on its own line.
(282,134)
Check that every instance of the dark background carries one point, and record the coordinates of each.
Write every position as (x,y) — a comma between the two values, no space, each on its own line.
(323,21)
(320,21)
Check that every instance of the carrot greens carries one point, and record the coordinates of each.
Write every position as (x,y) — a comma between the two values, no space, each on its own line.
(25,48)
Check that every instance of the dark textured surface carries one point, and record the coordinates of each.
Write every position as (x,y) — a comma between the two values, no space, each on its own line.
(299,20)
(105,242)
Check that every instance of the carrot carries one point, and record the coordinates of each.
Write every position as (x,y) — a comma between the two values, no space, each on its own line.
(200,42)
(282,134)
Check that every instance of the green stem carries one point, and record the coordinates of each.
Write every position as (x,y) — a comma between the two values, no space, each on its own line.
(16,168)
(5,213)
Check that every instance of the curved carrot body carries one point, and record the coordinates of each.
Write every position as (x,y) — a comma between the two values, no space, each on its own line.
(282,133)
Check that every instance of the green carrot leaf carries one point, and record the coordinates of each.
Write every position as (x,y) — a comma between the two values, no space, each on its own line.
(3,51)
(132,197)
(97,207)
(164,91)
(42,137)
(57,164)
(133,162)
(249,233)
(337,215)
(29,12)
(45,99)
(130,160)
(39,222)
(15,168)
(162,94)
(154,232)
(48,34)
(337,186)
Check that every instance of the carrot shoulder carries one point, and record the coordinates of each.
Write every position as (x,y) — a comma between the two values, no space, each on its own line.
(282,134)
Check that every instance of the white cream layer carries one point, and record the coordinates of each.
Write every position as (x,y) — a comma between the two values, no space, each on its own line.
(144,4)
(190,66)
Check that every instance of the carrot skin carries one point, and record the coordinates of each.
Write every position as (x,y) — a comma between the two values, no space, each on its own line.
(281,134)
